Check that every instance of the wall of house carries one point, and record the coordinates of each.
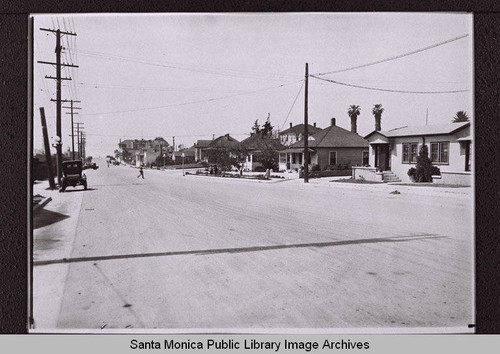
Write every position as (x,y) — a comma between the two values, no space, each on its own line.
(456,154)
(459,178)
(350,156)
(283,161)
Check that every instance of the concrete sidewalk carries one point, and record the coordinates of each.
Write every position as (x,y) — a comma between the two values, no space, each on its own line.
(43,194)
(329,182)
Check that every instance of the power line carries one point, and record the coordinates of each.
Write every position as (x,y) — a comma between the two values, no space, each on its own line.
(163,136)
(293,104)
(387,90)
(395,57)
(147,88)
(192,102)
(201,69)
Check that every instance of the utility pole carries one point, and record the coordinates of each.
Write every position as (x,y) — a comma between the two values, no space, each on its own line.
(306,129)
(58,79)
(83,145)
(72,130)
(173,142)
(48,158)
(78,139)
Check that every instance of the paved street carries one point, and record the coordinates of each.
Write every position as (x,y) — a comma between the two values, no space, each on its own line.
(198,252)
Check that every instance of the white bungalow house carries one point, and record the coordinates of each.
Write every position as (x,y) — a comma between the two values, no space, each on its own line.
(393,152)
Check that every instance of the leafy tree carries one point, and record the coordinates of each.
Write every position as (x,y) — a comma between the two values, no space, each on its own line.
(267,128)
(353,112)
(423,169)
(269,158)
(377,112)
(460,116)
(226,158)
(88,159)
(256,127)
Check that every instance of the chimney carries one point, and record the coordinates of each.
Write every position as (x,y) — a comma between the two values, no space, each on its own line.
(314,124)
(333,121)
(290,124)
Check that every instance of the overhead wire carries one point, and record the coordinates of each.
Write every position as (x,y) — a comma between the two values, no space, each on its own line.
(395,57)
(293,104)
(192,102)
(200,69)
(386,90)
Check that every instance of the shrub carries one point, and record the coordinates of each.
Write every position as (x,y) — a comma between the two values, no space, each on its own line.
(412,171)
(435,171)
(316,167)
(260,169)
(424,166)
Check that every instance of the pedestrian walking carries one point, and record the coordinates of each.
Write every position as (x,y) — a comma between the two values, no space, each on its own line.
(141,173)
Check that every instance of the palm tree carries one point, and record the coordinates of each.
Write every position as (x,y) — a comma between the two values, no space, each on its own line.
(354,112)
(460,116)
(377,112)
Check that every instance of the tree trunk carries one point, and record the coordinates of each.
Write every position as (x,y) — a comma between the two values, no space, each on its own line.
(353,124)
(378,119)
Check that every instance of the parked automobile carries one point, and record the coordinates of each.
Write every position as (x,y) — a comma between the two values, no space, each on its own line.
(72,175)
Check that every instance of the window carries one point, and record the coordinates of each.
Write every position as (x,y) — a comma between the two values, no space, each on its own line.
(293,159)
(410,152)
(365,158)
(440,152)
(333,157)
(300,159)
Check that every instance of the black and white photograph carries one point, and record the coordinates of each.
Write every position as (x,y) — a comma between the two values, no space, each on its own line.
(252,173)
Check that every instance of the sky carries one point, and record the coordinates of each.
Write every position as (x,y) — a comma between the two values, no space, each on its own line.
(198,76)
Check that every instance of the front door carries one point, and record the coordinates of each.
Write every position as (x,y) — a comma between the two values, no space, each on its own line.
(383,157)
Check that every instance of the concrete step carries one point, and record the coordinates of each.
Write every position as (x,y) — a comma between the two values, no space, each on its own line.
(388,176)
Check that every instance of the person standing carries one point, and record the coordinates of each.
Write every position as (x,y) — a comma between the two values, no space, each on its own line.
(141,173)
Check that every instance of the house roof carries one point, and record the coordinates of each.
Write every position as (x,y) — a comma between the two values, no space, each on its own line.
(259,142)
(296,150)
(299,129)
(126,141)
(442,129)
(224,141)
(202,143)
(333,136)
(187,152)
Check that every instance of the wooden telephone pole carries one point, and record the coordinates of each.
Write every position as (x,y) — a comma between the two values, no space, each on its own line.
(306,129)
(72,125)
(58,79)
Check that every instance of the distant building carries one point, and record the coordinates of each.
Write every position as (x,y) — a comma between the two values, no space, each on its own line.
(189,155)
(222,143)
(255,145)
(199,149)
(296,133)
(141,151)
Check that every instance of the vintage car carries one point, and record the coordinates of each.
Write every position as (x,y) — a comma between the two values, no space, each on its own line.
(72,175)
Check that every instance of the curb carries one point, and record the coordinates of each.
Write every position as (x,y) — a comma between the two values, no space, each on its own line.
(42,204)
(227,179)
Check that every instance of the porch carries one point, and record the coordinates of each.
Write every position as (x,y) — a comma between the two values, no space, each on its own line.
(293,159)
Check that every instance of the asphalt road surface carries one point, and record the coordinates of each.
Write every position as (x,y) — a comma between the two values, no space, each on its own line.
(189,252)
